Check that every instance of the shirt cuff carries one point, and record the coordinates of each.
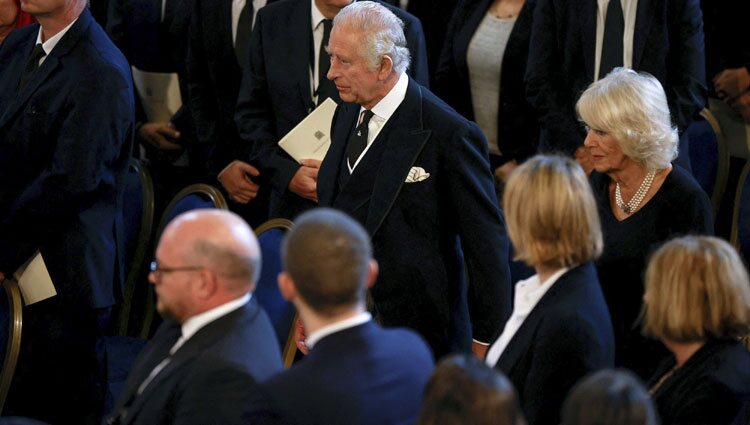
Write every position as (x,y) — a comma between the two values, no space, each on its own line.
(486,344)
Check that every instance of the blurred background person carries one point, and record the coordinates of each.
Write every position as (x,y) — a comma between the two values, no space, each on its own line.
(560,328)
(611,397)
(463,390)
(697,303)
(643,199)
(11,17)
(480,74)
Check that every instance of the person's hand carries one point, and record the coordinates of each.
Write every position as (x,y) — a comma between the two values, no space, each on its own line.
(479,350)
(583,156)
(160,135)
(741,104)
(300,336)
(731,83)
(503,172)
(305,180)
(237,181)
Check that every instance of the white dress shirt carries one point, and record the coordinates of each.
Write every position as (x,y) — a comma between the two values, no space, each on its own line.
(382,112)
(237,6)
(52,41)
(527,296)
(323,332)
(629,8)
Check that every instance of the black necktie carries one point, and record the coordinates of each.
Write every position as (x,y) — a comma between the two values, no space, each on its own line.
(326,88)
(358,141)
(31,66)
(614,28)
(244,29)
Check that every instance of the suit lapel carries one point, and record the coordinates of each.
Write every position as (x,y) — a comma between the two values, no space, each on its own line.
(297,50)
(343,122)
(463,37)
(643,20)
(403,145)
(50,64)
(224,15)
(588,35)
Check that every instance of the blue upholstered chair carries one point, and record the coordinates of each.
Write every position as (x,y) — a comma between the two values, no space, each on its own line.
(741,219)
(709,157)
(281,312)
(11,320)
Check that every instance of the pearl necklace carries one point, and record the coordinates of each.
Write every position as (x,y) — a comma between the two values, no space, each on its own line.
(632,205)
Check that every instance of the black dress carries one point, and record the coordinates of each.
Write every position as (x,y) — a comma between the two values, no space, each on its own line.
(680,207)
(709,389)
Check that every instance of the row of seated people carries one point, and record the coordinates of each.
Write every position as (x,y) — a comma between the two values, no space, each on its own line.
(424,185)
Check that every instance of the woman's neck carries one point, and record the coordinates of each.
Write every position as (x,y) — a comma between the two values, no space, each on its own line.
(683,351)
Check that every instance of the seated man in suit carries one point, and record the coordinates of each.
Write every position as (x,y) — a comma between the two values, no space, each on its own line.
(356,372)
(416,175)
(285,80)
(66,129)
(216,341)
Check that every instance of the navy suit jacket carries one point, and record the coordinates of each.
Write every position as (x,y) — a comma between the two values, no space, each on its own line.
(421,231)
(710,388)
(65,143)
(517,123)
(365,375)
(209,379)
(567,335)
(667,43)
(276,94)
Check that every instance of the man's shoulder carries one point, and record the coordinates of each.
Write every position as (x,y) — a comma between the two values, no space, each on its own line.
(439,115)
(282,8)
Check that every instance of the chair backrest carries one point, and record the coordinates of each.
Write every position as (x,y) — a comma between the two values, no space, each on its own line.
(281,312)
(709,157)
(740,237)
(138,215)
(190,198)
(11,315)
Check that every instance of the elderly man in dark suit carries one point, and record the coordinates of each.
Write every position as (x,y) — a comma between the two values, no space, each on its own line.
(356,372)
(66,128)
(284,81)
(216,341)
(416,175)
(576,42)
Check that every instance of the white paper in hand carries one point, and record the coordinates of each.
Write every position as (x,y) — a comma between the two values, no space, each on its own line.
(34,280)
(311,138)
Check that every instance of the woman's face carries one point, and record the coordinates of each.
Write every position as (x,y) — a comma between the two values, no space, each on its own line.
(606,155)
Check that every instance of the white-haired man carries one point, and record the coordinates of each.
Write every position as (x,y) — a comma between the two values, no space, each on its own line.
(416,175)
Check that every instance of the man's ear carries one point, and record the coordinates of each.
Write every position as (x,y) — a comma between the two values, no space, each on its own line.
(286,286)
(372,273)
(208,284)
(386,67)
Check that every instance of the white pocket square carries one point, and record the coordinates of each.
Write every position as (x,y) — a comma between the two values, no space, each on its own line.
(416,174)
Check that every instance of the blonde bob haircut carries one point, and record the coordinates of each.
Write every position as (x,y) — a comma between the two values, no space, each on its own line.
(696,288)
(632,107)
(551,213)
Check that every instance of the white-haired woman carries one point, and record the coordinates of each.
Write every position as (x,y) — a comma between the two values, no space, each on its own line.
(643,199)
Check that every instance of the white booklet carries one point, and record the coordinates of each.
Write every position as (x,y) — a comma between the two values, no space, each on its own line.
(159,93)
(311,138)
(34,280)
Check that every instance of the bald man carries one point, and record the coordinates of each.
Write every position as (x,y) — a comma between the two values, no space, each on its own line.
(216,342)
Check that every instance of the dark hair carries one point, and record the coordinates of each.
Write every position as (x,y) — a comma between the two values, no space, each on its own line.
(463,390)
(327,254)
(609,397)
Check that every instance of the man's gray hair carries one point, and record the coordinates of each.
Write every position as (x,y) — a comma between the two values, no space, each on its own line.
(382,33)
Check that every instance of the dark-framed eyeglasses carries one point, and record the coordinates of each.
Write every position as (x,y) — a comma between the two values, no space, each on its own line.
(159,270)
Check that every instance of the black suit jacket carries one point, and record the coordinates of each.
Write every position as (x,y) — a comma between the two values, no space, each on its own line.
(276,94)
(424,233)
(567,335)
(517,124)
(365,375)
(65,143)
(210,379)
(667,43)
(710,388)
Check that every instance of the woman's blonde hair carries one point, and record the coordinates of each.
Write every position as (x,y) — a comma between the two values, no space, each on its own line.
(696,288)
(551,213)
(633,108)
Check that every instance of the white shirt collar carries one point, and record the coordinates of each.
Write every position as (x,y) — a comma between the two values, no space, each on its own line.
(317,15)
(388,105)
(52,41)
(192,325)
(323,332)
